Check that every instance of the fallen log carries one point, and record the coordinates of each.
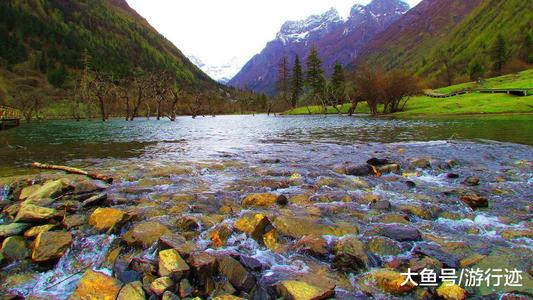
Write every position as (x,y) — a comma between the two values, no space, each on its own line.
(96,176)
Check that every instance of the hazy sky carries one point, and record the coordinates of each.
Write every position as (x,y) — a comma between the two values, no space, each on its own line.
(216,31)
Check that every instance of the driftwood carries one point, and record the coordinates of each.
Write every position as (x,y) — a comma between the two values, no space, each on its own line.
(101,177)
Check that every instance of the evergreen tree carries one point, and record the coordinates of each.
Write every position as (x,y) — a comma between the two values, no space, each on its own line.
(315,74)
(284,79)
(297,84)
(500,53)
(338,83)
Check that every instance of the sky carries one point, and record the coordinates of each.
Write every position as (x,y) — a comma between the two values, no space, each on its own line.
(216,31)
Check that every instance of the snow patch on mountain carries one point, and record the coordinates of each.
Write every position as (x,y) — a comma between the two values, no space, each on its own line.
(219,72)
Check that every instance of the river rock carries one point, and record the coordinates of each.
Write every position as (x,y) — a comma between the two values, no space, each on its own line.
(513,261)
(188,223)
(377,162)
(392,218)
(350,254)
(380,204)
(171,264)
(96,285)
(227,297)
(471,181)
(161,285)
(315,246)
(27,191)
(254,225)
(297,227)
(14,247)
(384,246)
(475,201)
(168,295)
(34,231)
(33,213)
(265,200)
(392,168)
(422,163)
(50,245)
(237,275)
(146,234)
(451,292)
(103,219)
(94,200)
(132,291)
(435,251)
(390,281)
(12,229)
(300,290)
(203,265)
(74,221)
(400,233)
(357,170)
(50,190)
(220,234)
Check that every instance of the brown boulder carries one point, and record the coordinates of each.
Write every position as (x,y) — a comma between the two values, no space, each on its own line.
(475,201)
(103,219)
(316,246)
(237,275)
(145,234)
(96,285)
(350,254)
(50,245)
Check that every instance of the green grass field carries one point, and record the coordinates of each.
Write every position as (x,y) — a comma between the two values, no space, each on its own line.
(473,103)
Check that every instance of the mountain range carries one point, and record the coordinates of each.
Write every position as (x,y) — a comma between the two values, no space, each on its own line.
(336,39)
(222,73)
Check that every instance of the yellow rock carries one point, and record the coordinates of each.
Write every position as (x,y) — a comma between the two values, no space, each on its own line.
(171,263)
(471,260)
(161,284)
(103,219)
(34,213)
(299,290)
(146,234)
(46,193)
(391,281)
(50,245)
(34,231)
(272,240)
(27,191)
(451,292)
(96,285)
(132,291)
(253,225)
(259,200)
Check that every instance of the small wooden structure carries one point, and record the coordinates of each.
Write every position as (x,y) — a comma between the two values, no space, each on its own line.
(9,117)
(510,91)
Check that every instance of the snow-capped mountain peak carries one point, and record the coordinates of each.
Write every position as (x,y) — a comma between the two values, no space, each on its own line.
(219,72)
(295,31)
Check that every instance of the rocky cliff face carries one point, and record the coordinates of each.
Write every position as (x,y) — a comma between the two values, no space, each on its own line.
(337,40)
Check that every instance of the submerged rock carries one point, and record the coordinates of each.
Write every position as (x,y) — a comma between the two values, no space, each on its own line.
(262,200)
(103,219)
(50,245)
(435,251)
(400,233)
(171,264)
(132,291)
(475,201)
(96,285)
(471,181)
(300,290)
(350,254)
(146,234)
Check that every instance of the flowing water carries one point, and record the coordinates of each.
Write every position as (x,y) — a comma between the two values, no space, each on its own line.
(210,164)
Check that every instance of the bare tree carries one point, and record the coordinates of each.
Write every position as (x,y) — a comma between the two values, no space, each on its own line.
(101,88)
(369,82)
(161,84)
(29,94)
(176,95)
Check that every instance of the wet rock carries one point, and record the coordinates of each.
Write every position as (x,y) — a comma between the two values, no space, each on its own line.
(132,291)
(254,225)
(171,264)
(185,289)
(377,162)
(128,276)
(34,231)
(416,210)
(400,233)
(410,184)
(475,201)
(300,290)
(145,234)
(227,297)
(46,194)
(104,219)
(451,292)
(50,245)
(237,275)
(161,285)
(168,295)
(94,200)
(261,200)
(315,246)
(350,255)
(380,204)
(143,266)
(452,176)
(251,263)
(188,223)
(282,200)
(33,213)
(357,170)
(74,221)
(390,281)
(471,260)
(392,168)
(272,240)
(297,227)
(14,247)
(435,251)
(179,243)
(220,234)
(384,246)
(392,218)
(510,262)
(12,229)
(422,163)
(27,191)
(471,181)
(203,265)
(96,285)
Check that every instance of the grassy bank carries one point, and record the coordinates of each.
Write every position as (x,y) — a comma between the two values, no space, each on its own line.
(473,103)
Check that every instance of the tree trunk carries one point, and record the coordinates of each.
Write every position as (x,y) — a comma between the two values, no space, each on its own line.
(158,108)
(102,109)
